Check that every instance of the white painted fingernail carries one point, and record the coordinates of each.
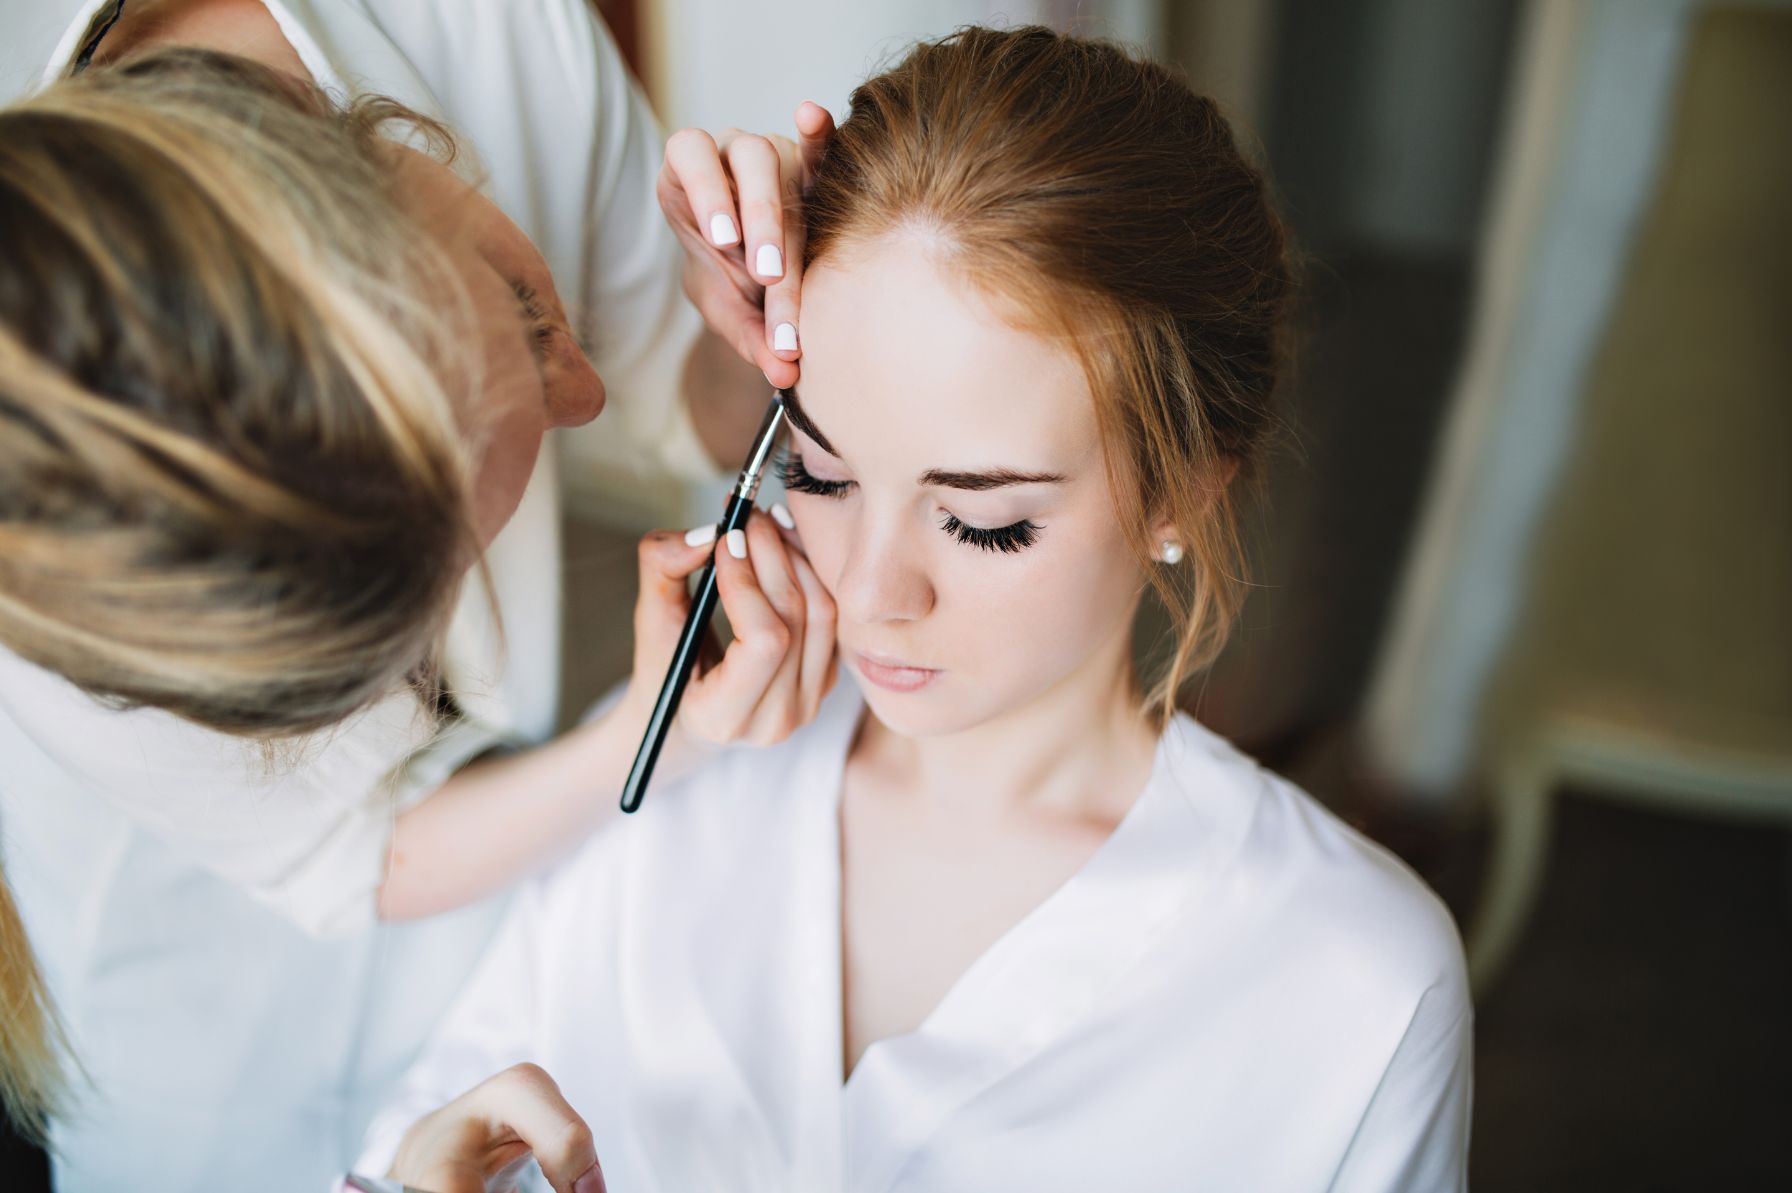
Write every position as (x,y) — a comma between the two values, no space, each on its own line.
(782,517)
(769,262)
(784,337)
(701,535)
(737,543)
(721,229)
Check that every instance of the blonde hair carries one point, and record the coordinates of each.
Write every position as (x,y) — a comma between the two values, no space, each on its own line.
(1101,196)
(232,481)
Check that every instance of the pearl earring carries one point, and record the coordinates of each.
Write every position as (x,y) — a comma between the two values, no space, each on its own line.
(1170,551)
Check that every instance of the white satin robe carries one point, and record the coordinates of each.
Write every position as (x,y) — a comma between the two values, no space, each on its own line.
(1237,992)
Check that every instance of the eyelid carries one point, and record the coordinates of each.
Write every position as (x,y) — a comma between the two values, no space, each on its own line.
(798,479)
(1009,540)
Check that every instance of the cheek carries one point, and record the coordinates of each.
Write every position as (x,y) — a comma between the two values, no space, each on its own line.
(821,526)
(1029,625)
(507,459)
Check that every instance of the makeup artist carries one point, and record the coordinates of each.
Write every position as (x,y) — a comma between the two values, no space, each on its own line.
(274,381)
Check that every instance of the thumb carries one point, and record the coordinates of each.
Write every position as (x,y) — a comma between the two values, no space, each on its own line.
(667,559)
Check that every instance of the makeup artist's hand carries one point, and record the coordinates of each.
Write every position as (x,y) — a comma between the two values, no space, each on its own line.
(771,679)
(483,1139)
(734,201)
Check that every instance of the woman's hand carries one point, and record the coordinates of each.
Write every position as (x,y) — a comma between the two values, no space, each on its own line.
(733,200)
(771,679)
(481,1141)
(499,819)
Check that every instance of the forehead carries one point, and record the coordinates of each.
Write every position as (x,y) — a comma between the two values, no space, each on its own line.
(904,358)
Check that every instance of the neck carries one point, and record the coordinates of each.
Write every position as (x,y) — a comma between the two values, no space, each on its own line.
(1083,749)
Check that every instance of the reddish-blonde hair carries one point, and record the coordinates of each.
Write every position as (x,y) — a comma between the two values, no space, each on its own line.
(1108,204)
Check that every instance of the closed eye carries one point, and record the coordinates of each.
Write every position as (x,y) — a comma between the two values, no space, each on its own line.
(541,328)
(799,480)
(1006,539)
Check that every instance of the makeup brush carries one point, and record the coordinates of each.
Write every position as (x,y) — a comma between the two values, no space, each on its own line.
(703,607)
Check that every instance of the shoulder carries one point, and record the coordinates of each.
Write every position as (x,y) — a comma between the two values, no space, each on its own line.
(1347,912)
(462,44)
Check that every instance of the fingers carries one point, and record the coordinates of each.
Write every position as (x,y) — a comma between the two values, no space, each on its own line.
(818,670)
(783,298)
(780,710)
(734,200)
(527,1102)
(783,305)
(758,184)
(814,128)
(486,1131)
(721,705)
(665,561)
(696,164)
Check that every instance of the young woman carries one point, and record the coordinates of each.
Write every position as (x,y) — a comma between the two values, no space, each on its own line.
(270,384)
(1000,918)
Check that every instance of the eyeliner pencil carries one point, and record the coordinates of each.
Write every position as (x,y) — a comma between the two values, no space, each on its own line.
(703,607)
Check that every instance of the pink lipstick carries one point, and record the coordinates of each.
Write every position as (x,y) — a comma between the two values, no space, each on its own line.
(892,674)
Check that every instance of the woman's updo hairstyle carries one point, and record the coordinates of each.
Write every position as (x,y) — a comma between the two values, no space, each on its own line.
(1107,206)
(232,485)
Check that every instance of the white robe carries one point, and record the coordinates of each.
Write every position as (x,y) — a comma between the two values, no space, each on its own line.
(1236,992)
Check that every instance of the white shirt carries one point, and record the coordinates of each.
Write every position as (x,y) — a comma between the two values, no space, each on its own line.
(1237,992)
(225,1045)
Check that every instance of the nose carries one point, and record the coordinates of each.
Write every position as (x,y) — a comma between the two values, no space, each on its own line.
(883,576)
(575,391)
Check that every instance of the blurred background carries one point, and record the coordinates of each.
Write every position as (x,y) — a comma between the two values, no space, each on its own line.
(1523,563)
(1524,560)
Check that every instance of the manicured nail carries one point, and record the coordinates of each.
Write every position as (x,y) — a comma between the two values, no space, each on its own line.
(737,543)
(701,535)
(769,262)
(782,517)
(721,229)
(784,337)
(591,1182)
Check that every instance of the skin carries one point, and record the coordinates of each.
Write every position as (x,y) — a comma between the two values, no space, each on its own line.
(532,375)
(493,822)
(750,179)
(971,798)
(968,801)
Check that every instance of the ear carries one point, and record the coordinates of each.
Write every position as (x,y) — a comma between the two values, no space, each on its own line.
(1165,531)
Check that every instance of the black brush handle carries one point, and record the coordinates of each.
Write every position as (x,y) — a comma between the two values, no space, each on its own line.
(684,659)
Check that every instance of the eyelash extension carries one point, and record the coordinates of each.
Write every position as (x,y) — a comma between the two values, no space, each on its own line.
(798,480)
(1006,539)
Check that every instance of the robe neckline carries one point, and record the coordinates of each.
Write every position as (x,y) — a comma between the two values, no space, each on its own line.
(1038,979)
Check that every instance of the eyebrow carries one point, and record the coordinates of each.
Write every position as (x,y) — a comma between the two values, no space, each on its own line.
(995,478)
(799,418)
(940,478)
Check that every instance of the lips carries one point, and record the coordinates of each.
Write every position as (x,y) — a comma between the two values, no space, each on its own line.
(894,675)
